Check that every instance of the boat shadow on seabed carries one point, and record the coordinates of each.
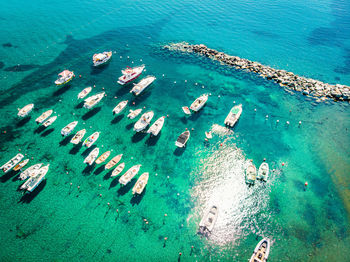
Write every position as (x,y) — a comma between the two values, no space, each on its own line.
(179,151)
(152,140)
(61,91)
(28,197)
(91,113)
(8,176)
(136,199)
(125,189)
(23,121)
(66,140)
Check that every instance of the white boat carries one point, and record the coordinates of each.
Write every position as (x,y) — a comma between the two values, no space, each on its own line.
(49,121)
(115,160)
(208,135)
(91,139)
(65,77)
(130,74)
(103,157)
(21,164)
(250,174)
(199,103)
(92,156)
(101,58)
(186,110)
(207,223)
(33,182)
(23,112)
(78,137)
(263,171)
(142,85)
(93,100)
(30,171)
(157,126)
(134,113)
(11,164)
(182,139)
(84,92)
(140,184)
(118,169)
(233,116)
(68,128)
(120,107)
(128,175)
(144,121)
(44,116)
(261,251)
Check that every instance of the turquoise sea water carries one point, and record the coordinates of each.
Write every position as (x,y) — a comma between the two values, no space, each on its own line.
(61,222)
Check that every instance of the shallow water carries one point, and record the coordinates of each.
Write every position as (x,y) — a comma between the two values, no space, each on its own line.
(60,221)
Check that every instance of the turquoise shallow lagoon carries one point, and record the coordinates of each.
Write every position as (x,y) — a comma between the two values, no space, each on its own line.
(61,222)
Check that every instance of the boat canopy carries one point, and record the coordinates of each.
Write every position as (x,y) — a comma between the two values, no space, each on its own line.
(65,73)
(99,56)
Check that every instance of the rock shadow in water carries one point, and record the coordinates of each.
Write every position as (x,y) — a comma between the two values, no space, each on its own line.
(91,113)
(28,197)
(115,120)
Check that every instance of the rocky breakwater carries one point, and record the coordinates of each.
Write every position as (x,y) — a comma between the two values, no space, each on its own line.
(290,81)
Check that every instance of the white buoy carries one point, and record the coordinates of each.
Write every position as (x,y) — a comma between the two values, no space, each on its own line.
(267,116)
(287,122)
(162,74)
(140,60)
(196,83)
(299,122)
(185,81)
(120,57)
(234,102)
(128,57)
(218,96)
(174,82)
(254,109)
(277,121)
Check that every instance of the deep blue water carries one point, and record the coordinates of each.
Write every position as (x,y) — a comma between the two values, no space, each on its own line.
(62,222)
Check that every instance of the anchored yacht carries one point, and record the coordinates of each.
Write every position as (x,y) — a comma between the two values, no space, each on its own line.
(250,174)
(12,163)
(142,85)
(261,251)
(182,139)
(130,74)
(64,77)
(68,128)
(208,221)
(124,179)
(233,116)
(103,157)
(115,160)
(93,100)
(44,116)
(91,139)
(157,126)
(33,182)
(84,92)
(140,184)
(263,171)
(78,137)
(101,58)
(23,112)
(118,169)
(120,107)
(144,121)
(49,121)
(199,103)
(134,113)
(30,171)
(21,164)
(90,159)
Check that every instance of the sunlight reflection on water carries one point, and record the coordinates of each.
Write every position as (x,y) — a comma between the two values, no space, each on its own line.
(221,182)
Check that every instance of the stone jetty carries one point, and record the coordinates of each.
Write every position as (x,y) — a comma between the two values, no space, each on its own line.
(309,87)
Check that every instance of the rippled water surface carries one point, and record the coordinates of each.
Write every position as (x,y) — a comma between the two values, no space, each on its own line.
(67,218)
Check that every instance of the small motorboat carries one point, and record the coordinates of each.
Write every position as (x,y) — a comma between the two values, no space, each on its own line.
(142,85)
(208,135)
(103,157)
(134,113)
(130,74)
(44,116)
(115,160)
(250,174)
(49,121)
(182,139)
(90,159)
(23,112)
(261,251)
(207,223)
(199,103)
(101,58)
(30,171)
(144,121)
(68,128)
(84,92)
(263,171)
(64,77)
(12,163)
(118,169)
(91,101)
(34,181)
(156,127)
(186,110)
(78,137)
(91,139)
(120,107)
(233,116)
(128,175)
(140,184)
(21,164)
